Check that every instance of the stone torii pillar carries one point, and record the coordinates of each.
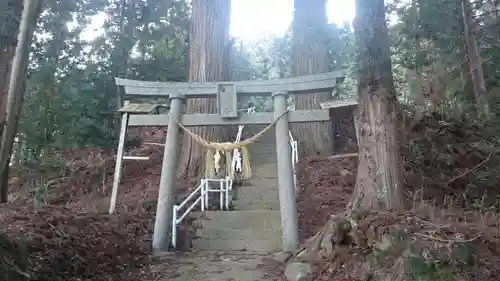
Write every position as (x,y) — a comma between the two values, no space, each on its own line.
(166,196)
(288,207)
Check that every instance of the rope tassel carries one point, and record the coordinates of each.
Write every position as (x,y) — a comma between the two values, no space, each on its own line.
(246,169)
(209,163)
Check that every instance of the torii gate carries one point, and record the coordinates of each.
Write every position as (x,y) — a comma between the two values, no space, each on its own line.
(227,96)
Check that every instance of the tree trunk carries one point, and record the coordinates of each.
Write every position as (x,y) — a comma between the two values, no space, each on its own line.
(476,68)
(419,57)
(208,60)
(466,84)
(6,56)
(378,183)
(10,17)
(310,56)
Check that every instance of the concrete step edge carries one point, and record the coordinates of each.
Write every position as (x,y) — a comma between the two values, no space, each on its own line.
(258,207)
(238,234)
(237,245)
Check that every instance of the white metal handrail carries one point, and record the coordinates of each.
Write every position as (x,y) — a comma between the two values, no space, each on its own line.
(175,216)
(295,151)
(295,157)
(224,188)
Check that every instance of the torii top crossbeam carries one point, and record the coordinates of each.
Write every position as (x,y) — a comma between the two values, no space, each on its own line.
(310,83)
(227,94)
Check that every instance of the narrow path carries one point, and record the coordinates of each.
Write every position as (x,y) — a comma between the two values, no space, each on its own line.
(214,266)
(254,224)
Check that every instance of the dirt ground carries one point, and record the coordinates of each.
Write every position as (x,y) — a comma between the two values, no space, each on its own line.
(448,166)
(71,237)
(451,186)
(214,266)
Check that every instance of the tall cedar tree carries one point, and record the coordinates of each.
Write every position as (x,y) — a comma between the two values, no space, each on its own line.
(310,56)
(475,63)
(10,18)
(208,61)
(378,184)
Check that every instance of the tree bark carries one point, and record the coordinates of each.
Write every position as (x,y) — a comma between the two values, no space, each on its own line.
(208,60)
(10,15)
(467,89)
(475,64)
(310,56)
(378,183)
(419,57)
(6,56)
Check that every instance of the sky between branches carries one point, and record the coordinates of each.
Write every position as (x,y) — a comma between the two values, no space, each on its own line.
(252,20)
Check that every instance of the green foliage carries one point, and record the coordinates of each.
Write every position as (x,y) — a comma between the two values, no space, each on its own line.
(10,11)
(270,58)
(38,193)
(419,269)
(71,98)
(428,37)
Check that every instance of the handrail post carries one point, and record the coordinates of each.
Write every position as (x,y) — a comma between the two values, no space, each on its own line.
(174,226)
(294,162)
(296,151)
(166,194)
(288,208)
(202,195)
(227,193)
(221,194)
(206,183)
(119,160)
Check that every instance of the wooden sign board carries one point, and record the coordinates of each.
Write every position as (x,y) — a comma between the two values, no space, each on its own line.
(227,101)
(138,108)
(339,108)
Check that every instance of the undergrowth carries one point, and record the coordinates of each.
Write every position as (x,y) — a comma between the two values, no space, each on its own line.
(419,269)
(14,263)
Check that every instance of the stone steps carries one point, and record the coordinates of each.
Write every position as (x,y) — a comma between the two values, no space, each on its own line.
(258,205)
(255,223)
(242,199)
(265,158)
(258,231)
(239,219)
(267,245)
(263,150)
(264,171)
(231,233)
(258,193)
(267,202)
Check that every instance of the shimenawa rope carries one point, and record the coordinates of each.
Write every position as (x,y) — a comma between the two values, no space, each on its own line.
(224,147)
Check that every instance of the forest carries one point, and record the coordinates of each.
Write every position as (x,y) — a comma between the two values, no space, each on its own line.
(419,201)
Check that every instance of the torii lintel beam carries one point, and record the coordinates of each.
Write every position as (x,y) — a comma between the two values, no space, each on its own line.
(302,84)
(297,116)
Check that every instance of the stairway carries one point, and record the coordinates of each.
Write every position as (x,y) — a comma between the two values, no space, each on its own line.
(254,224)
